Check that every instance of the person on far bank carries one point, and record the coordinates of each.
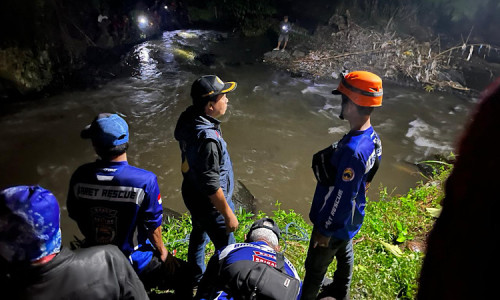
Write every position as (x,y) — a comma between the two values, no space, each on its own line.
(116,203)
(208,181)
(344,171)
(285,27)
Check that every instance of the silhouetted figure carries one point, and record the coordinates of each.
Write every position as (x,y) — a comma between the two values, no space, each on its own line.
(453,268)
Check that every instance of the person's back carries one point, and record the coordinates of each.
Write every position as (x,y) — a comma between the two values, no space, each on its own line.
(34,266)
(115,203)
(105,195)
(111,201)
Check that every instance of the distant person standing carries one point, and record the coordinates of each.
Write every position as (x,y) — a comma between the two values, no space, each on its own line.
(285,28)
(344,171)
(116,203)
(207,170)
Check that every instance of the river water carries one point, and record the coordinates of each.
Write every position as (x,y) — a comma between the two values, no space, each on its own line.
(274,124)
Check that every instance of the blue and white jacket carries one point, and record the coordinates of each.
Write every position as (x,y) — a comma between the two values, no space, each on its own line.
(255,251)
(338,211)
(115,203)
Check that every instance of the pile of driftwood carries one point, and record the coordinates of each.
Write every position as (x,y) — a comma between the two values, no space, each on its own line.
(344,45)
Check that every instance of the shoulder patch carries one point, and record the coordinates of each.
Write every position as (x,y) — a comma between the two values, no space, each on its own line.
(348,174)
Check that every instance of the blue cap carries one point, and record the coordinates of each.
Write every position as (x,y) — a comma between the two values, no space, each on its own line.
(29,223)
(107,130)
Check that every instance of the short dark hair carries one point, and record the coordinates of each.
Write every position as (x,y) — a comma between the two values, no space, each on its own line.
(200,102)
(109,153)
(362,110)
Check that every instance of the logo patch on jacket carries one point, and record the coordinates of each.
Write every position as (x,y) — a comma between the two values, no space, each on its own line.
(264,258)
(348,174)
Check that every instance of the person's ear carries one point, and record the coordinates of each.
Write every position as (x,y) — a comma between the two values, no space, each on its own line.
(209,106)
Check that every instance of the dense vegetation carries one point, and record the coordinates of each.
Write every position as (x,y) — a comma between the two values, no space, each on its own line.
(388,249)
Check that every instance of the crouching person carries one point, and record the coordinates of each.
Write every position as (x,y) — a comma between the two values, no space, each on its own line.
(35,266)
(251,270)
(116,203)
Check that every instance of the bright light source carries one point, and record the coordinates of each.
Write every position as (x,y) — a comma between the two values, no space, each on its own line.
(165,7)
(143,20)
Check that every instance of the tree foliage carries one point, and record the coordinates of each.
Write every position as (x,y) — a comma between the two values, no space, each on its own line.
(252,17)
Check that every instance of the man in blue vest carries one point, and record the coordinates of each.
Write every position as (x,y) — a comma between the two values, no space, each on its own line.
(255,268)
(207,170)
(344,171)
(115,203)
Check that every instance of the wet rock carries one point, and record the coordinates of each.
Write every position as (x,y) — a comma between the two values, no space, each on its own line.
(170,213)
(478,73)
(242,197)
(452,75)
(298,54)
(277,54)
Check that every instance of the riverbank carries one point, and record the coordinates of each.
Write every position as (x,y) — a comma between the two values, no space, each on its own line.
(389,249)
(52,45)
(435,64)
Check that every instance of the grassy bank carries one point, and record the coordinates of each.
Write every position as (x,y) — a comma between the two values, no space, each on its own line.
(388,249)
